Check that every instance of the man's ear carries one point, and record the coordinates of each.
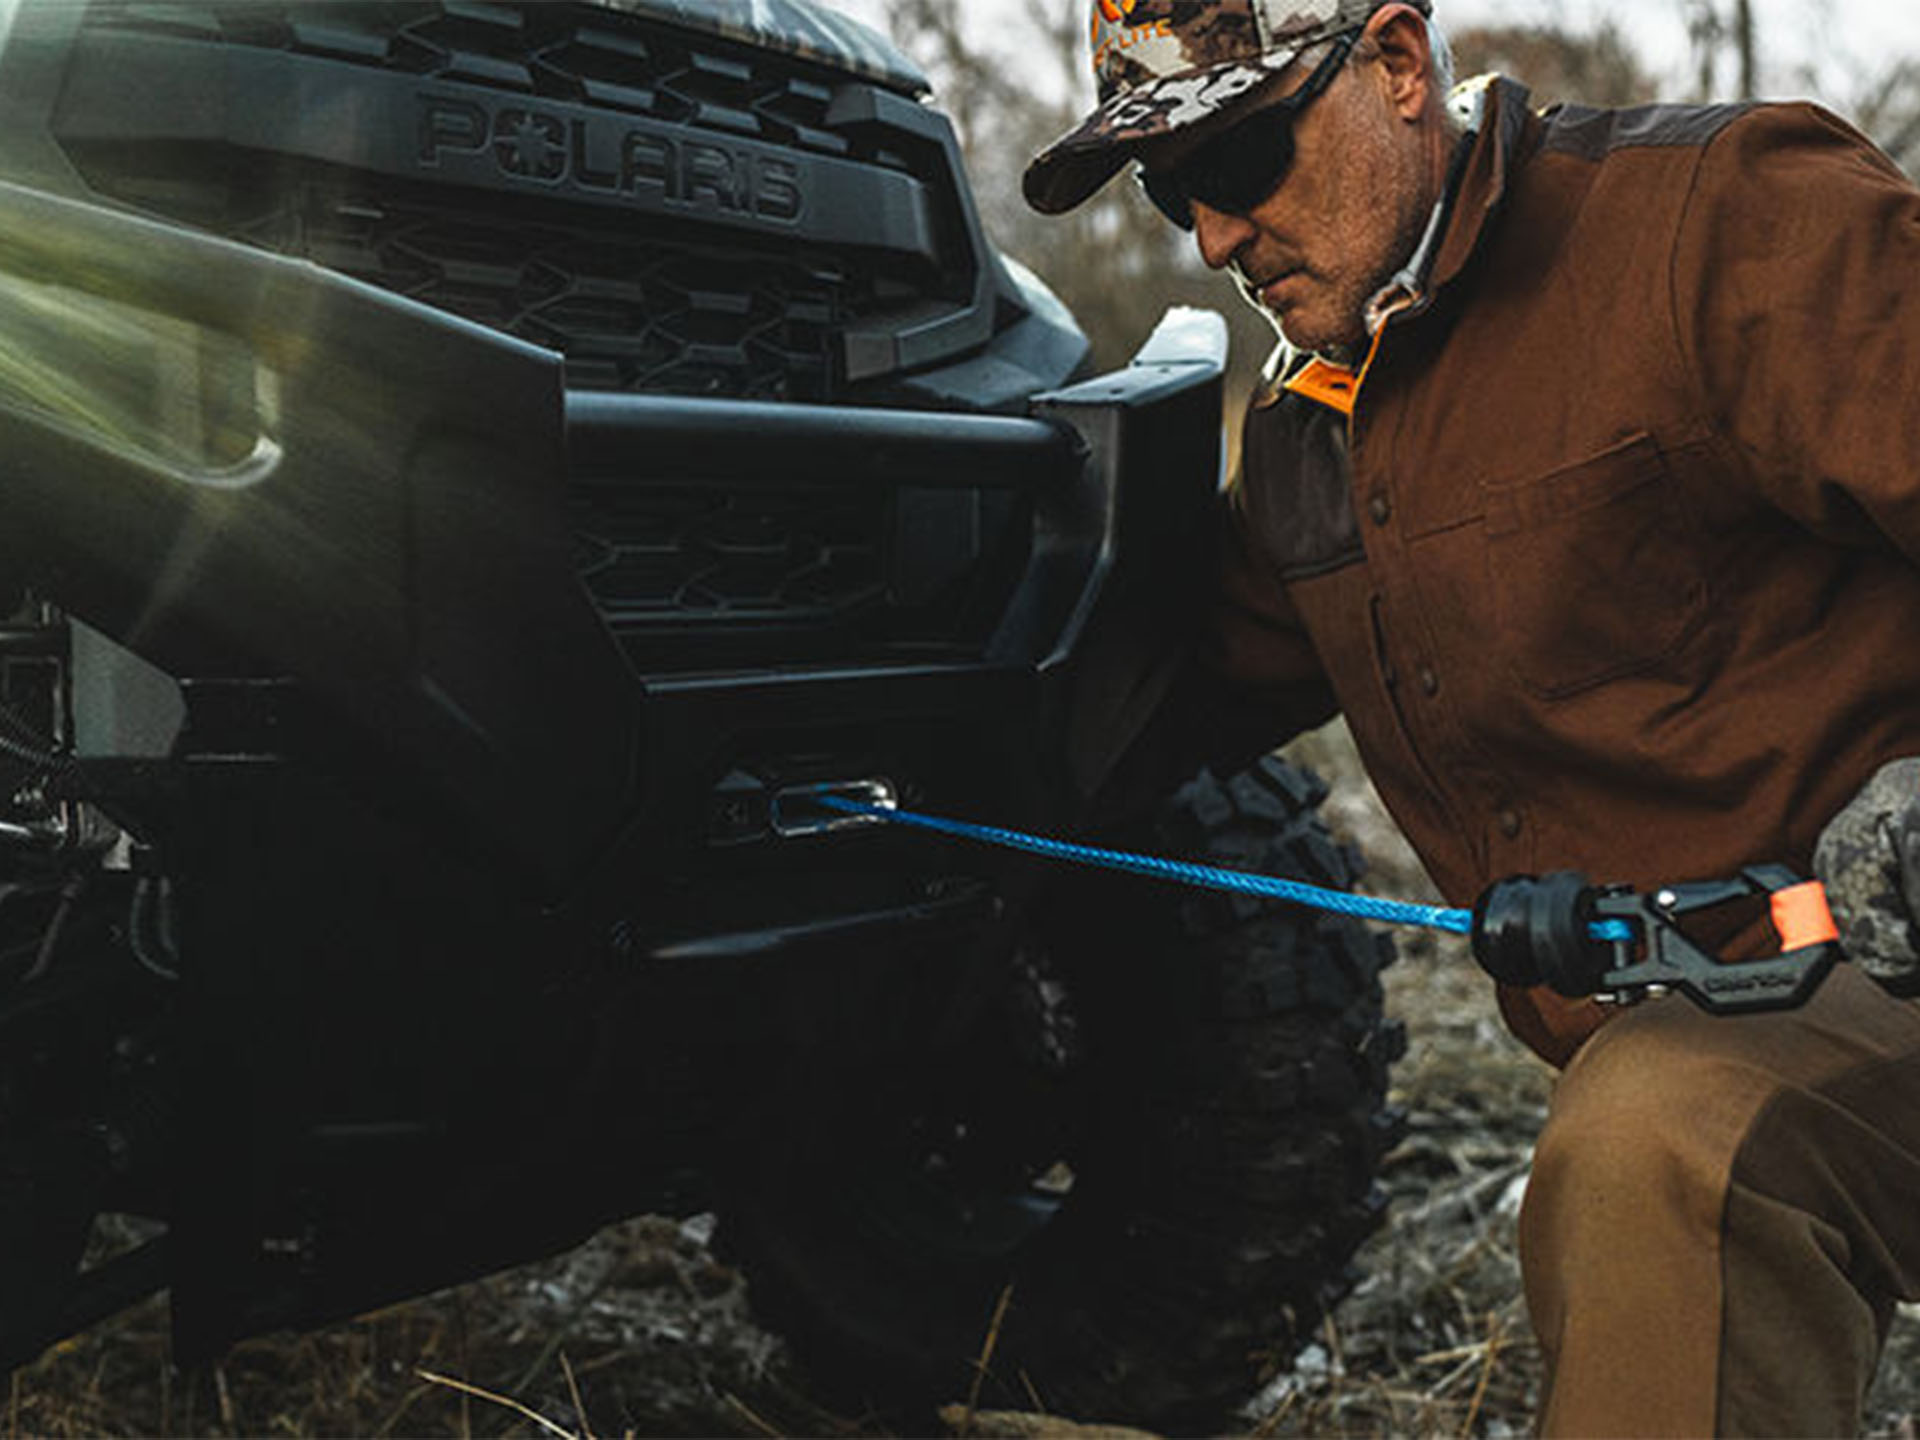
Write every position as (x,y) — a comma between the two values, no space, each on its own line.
(1398,36)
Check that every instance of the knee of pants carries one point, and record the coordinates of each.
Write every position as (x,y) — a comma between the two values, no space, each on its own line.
(1639,1142)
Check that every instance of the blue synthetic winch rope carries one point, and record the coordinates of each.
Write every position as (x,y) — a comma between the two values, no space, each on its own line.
(1183,872)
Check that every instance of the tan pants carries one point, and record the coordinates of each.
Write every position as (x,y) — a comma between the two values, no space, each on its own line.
(1723,1213)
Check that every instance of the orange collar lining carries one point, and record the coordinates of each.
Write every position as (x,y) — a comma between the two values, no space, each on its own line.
(1334,386)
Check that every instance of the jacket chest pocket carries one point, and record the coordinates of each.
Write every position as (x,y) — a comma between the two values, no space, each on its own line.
(1593,570)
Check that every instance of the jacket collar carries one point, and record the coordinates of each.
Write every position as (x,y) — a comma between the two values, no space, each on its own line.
(1501,127)
(1506,132)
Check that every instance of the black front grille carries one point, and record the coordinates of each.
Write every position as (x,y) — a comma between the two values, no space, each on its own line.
(726,573)
(689,305)
(577,53)
(722,534)
(628,311)
(730,552)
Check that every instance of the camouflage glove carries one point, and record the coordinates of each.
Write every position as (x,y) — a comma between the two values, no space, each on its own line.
(1869,859)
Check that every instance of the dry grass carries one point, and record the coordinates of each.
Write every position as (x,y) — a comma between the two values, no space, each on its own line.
(1434,1341)
(642,1332)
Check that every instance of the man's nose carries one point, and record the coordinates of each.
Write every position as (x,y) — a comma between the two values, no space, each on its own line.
(1218,234)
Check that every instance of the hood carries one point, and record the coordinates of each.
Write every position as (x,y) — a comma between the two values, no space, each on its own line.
(798,27)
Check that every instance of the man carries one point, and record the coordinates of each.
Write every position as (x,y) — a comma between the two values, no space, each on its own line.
(1587,484)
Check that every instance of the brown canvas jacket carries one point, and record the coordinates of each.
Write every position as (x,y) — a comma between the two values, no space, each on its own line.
(1616,565)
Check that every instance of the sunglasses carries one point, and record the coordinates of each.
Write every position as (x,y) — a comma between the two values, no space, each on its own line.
(1236,170)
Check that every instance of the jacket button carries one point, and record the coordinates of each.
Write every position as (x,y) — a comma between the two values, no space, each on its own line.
(1509,823)
(1429,681)
(1380,509)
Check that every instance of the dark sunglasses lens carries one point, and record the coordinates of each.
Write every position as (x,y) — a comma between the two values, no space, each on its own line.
(1169,197)
(1254,171)
(1232,174)
(1244,166)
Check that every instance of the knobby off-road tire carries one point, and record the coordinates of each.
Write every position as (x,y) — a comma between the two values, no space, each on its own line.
(1213,1073)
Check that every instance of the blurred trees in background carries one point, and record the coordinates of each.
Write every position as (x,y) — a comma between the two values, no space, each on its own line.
(1887,107)
(1721,34)
(1014,76)
(1558,66)
(1881,97)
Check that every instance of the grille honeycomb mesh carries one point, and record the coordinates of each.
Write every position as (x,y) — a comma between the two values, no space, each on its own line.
(786,553)
(633,304)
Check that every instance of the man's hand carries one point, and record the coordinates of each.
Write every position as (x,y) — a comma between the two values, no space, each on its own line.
(1869,859)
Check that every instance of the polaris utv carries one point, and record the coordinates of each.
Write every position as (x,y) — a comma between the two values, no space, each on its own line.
(473,473)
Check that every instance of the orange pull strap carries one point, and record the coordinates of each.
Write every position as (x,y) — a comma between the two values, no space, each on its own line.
(1801,915)
(1334,386)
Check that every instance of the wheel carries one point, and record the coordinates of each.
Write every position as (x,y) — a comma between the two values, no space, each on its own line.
(1139,1188)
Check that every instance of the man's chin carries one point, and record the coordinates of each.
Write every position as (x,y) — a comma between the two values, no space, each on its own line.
(1304,325)
(1316,335)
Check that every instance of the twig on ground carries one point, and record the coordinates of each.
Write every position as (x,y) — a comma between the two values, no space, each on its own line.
(505,1400)
(601,1362)
(747,1413)
(1336,1362)
(1033,1392)
(1496,1342)
(573,1389)
(385,1427)
(466,1366)
(981,1365)
(1466,1199)
(225,1398)
(1476,1351)
(1459,1372)
(1271,1424)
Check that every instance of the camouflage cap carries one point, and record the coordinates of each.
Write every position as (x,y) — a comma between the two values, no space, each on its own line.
(1161,65)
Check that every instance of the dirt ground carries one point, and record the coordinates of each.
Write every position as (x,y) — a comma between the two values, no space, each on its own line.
(643,1332)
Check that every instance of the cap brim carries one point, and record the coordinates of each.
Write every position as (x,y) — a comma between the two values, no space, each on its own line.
(1089,155)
